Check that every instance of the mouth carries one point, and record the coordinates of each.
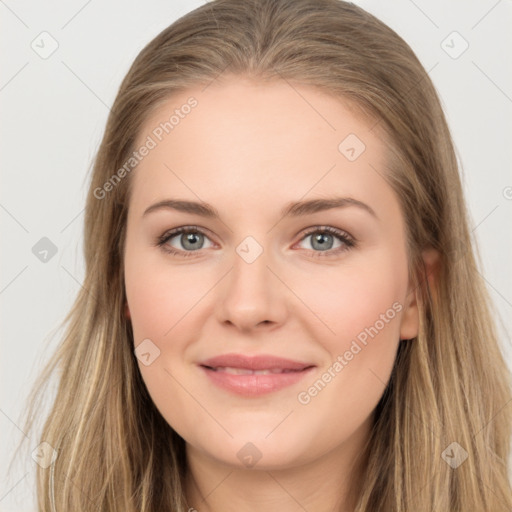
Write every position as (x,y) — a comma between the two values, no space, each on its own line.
(247,371)
(254,375)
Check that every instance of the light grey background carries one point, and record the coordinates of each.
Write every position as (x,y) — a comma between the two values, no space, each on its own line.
(54,111)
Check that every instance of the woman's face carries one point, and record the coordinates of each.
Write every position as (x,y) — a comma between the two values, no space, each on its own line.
(256,274)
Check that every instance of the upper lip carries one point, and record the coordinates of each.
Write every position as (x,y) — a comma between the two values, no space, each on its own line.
(257,362)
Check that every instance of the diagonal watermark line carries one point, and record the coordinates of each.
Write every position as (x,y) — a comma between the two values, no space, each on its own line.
(426,486)
(280,423)
(14,76)
(479,476)
(12,488)
(378,378)
(305,99)
(492,211)
(13,279)
(81,285)
(375,169)
(492,81)
(490,421)
(410,410)
(428,426)
(286,491)
(14,424)
(86,85)
(485,15)
(192,307)
(300,300)
(424,13)
(19,19)
(193,192)
(75,15)
(65,477)
(215,78)
(13,217)
(378,121)
(203,498)
(199,403)
(502,296)
(72,220)
(304,195)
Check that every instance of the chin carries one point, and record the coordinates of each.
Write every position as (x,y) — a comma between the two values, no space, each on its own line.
(252,449)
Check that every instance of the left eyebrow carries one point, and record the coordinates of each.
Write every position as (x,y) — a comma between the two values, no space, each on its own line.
(318,205)
(294,209)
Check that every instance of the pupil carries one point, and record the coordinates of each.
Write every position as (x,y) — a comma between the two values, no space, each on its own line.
(190,239)
(320,238)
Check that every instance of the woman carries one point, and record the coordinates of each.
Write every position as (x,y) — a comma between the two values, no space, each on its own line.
(329,345)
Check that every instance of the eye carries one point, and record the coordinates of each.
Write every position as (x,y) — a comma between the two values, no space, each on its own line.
(190,238)
(323,239)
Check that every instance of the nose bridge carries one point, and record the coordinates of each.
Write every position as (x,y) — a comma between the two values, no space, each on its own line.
(251,294)
(250,273)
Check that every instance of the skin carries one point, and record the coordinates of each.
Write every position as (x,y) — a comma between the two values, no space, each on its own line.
(248,149)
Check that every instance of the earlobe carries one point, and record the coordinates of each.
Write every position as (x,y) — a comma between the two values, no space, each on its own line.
(409,327)
(127,311)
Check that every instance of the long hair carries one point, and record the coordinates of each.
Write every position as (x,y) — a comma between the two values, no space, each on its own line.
(446,399)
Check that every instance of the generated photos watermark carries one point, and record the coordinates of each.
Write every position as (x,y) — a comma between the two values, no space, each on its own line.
(151,142)
(356,346)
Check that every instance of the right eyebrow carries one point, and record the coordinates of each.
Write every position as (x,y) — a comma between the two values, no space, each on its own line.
(202,209)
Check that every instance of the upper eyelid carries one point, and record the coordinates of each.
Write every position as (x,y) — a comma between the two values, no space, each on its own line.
(171,233)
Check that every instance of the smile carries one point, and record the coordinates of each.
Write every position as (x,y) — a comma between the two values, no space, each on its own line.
(245,382)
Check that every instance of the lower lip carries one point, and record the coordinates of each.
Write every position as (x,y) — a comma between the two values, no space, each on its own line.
(254,385)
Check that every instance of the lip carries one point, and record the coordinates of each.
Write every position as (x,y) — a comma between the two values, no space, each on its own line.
(256,362)
(282,373)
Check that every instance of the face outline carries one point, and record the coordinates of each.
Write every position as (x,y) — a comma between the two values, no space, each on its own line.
(248,159)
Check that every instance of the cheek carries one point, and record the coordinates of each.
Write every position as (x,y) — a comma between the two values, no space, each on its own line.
(159,299)
(360,310)
(348,302)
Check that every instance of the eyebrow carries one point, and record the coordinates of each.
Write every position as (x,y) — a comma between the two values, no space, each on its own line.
(294,209)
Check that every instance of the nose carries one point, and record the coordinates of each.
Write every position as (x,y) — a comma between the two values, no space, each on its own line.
(252,295)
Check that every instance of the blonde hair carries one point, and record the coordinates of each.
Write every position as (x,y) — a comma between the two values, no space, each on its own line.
(449,384)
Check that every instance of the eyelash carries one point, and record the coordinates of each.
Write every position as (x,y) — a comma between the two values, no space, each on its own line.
(348,240)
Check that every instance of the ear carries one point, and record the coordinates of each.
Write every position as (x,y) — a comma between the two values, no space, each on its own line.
(127,311)
(410,322)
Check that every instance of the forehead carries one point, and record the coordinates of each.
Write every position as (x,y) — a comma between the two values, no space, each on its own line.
(253,141)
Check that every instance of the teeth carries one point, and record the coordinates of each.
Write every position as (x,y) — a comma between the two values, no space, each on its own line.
(246,371)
